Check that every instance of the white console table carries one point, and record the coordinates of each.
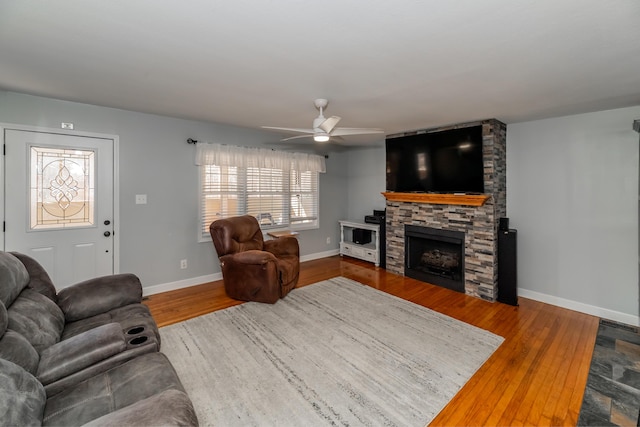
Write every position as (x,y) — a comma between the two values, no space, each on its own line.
(366,251)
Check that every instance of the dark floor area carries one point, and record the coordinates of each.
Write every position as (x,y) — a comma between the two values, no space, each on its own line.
(612,395)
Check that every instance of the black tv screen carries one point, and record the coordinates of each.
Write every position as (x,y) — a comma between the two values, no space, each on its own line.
(440,162)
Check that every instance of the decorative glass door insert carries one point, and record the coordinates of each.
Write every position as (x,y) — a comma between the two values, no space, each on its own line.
(62,188)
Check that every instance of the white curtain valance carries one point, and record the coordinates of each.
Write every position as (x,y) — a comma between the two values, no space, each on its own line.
(250,157)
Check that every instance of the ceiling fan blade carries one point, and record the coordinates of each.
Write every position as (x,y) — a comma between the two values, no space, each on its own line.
(297,137)
(302,130)
(355,131)
(329,124)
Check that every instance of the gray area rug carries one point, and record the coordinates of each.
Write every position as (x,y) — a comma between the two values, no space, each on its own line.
(332,353)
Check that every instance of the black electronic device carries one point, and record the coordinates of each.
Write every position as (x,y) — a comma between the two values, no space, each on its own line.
(447,161)
(361,237)
(373,219)
(379,217)
(507,267)
(504,224)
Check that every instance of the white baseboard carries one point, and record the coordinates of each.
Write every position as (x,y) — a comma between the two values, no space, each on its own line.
(193,281)
(319,255)
(581,307)
(538,296)
(180,284)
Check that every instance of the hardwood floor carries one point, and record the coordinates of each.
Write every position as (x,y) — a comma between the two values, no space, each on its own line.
(537,376)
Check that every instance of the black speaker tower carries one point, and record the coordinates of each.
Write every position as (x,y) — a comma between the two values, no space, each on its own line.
(507,266)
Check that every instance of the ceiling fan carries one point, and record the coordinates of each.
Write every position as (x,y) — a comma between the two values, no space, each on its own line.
(323,128)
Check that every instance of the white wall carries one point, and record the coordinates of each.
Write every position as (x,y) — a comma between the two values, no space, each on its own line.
(156,160)
(572,194)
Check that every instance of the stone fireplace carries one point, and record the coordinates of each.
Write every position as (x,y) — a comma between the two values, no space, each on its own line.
(474,217)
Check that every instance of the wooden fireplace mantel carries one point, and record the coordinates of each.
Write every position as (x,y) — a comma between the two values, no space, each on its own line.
(438,198)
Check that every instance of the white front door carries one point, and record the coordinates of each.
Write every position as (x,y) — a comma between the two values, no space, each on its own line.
(59,202)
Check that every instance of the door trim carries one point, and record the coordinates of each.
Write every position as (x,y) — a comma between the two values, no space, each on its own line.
(116,178)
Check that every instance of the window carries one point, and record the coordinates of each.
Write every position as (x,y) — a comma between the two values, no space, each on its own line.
(304,198)
(218,194)
(61,188)
(282,193)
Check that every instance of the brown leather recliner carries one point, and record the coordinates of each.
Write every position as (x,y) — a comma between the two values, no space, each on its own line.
(254,269)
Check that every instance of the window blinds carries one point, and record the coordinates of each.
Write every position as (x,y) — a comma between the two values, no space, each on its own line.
(279,188)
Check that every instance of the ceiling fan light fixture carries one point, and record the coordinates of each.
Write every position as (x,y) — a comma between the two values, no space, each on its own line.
(325,129)
(321,137)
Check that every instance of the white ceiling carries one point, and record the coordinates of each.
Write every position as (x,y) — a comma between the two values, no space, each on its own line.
(398,65)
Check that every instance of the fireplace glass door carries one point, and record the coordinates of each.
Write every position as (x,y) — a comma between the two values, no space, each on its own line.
(435,256)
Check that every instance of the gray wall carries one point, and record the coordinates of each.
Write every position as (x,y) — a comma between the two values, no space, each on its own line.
(572,189)
(156,160)
(366,181)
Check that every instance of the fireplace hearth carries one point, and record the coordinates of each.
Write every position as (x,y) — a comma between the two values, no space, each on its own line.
(435,256)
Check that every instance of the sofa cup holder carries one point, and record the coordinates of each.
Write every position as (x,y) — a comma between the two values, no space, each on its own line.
(135,330)
(138,340)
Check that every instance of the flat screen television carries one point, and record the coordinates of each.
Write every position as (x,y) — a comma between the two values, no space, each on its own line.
(439,162)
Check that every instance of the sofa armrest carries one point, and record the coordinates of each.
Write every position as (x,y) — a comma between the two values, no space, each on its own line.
(99,295)
(283,246)
(168,408)
(79,352)
(252,257)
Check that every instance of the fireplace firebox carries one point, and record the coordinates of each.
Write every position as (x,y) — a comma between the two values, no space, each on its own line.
(435,256)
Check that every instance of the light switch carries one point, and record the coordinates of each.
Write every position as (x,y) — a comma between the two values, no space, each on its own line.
(141,199)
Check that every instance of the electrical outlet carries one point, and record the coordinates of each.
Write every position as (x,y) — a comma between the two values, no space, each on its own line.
(183,264)
(141,199)
(328,240)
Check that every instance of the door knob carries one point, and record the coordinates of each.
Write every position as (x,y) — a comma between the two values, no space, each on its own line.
(107,222)
(107,233)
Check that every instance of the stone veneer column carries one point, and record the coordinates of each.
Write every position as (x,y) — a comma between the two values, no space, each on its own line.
(480,224)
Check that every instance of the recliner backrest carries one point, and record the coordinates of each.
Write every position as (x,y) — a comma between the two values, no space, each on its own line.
(14,347)
(237,234)
(36,318)
(31,313)
(39,279)
(14,277)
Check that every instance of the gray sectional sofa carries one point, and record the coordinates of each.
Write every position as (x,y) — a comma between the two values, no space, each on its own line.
(88,354)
